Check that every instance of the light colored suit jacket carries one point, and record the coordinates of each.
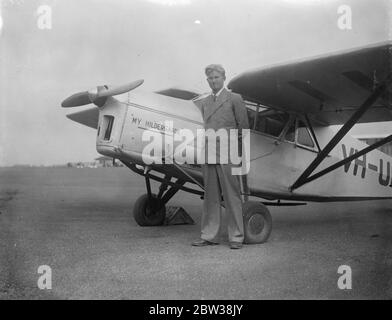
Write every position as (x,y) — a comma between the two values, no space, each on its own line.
(227,112)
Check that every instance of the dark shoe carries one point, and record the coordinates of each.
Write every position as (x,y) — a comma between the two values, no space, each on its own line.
(235,245)
(202,243)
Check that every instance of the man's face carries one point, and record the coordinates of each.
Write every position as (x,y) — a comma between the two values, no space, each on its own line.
(216,81)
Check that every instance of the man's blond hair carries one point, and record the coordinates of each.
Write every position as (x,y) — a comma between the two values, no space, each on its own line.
(215,67)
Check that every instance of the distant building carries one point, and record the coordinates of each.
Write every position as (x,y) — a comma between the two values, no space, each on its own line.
(104,161)
(99,162)
(82,164)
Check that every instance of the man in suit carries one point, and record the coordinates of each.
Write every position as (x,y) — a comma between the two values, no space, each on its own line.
(221,109)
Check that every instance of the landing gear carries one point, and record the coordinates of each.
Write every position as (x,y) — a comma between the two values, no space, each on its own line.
(257,222)
(150,209)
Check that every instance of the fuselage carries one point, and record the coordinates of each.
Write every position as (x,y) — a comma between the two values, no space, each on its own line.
(275,164)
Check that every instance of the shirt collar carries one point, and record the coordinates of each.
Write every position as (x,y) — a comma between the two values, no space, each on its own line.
(218,93)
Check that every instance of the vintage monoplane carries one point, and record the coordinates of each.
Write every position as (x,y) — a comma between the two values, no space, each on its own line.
(297,155)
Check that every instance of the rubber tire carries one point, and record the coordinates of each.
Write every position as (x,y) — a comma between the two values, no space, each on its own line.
(140,213)
(257,222)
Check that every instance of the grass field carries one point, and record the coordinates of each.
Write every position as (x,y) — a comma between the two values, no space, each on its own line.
(79,222)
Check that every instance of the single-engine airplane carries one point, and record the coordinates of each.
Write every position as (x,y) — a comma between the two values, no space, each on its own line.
(297,155)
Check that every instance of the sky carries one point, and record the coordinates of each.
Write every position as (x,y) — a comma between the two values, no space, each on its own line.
(165,42)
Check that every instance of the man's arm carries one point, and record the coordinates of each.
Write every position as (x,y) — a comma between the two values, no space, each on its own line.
(241,115)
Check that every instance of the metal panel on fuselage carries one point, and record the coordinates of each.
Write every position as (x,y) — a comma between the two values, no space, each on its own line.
(158,115)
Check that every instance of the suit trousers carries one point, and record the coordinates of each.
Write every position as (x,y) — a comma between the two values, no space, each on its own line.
(219,180)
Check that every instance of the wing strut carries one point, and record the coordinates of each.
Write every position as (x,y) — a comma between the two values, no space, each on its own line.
(306,175)
(349,159)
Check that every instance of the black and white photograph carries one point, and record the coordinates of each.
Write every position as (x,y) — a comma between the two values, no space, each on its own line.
(195,150)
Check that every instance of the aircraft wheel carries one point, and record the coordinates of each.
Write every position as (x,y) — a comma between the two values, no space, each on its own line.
(146,213)
(257,222)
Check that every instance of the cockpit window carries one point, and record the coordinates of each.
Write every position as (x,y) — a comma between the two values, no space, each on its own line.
(304,137)
(271,122)
(266,120)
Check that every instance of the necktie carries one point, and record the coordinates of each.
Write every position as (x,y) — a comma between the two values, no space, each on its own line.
(214,96)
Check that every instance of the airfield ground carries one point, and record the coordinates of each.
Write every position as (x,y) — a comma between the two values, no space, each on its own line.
(78,222)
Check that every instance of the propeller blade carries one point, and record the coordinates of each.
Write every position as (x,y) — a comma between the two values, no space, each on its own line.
(96,95)
(77,99)
(113,91)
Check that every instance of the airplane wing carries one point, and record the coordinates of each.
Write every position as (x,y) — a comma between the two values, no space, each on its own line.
(88,117)
(179,93)
(328,88)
